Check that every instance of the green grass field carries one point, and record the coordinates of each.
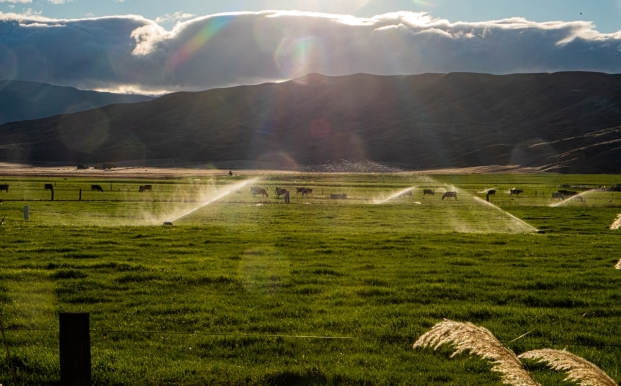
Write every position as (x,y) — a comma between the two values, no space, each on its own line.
(251,291)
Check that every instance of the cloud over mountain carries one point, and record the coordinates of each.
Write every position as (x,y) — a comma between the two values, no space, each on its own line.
(133,53)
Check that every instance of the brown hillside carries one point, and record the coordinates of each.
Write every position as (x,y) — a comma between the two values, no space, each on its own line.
(567,121)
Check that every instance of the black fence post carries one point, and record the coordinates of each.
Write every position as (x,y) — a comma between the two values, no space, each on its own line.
(80,199)
(52,195)
(75,349)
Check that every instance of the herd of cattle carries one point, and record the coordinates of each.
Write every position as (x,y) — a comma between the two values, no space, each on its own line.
(255,190)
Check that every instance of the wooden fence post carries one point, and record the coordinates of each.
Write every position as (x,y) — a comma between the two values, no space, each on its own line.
(80,199)
(8,354)
(52,195)
(75,349)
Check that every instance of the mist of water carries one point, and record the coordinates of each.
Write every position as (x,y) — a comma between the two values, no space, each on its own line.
(395,195)
(617,224)
(530,227)
(219,194)
(572,198)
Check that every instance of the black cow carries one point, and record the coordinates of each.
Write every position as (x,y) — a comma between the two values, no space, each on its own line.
(449,195)
(4,187)
(145,188)
(280,192)
(491,192)
(96,188)
(567,192)
(48,187)
(429,192)
(256,190)
(515,192)
(558,195)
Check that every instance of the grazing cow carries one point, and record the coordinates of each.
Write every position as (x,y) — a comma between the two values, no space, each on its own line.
(567,192)
(428,192)
(558,195)
(280,192)
(404,194)
(306,191)
(299,190)
(96,188)
(449,195)
(145,188)
(4,187)
(491,192)
(338,196)
(515,192)
(579,198)
(48,187)
(256,190)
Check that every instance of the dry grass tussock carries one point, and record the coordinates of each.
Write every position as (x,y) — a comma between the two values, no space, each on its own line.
(617,224)
(478,341)
(618,266)
(579,370)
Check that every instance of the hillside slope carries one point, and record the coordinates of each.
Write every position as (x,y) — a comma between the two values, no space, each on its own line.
(20,100)
(567,122)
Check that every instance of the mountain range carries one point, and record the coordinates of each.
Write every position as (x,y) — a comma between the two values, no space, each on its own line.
(565,122)
(21,100)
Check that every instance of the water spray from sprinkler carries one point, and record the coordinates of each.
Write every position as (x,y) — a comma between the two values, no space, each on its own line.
(221,196)
(398,194)
(616,225)
(477,199)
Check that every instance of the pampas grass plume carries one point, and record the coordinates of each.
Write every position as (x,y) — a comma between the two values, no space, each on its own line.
(478,341)
(578,369)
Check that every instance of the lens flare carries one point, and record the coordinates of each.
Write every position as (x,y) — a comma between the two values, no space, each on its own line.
(300,56)
(204,35)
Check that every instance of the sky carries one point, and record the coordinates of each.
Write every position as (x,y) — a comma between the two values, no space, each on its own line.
(156,46)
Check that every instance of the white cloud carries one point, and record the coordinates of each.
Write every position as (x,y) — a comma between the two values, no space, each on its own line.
(174,17)
(57,2)
(15,1)
(134,53)
(29,12)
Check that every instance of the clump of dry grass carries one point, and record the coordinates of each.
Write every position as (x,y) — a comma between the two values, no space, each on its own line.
(617,224)
(478,341)
(578,369)
(618,266)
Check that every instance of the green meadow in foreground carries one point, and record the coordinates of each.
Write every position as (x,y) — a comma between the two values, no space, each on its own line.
(251,291)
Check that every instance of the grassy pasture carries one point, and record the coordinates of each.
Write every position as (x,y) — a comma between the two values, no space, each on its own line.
(233,293)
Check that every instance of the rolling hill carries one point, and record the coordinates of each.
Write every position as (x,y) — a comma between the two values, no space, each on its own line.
(568,122)
(21,100)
